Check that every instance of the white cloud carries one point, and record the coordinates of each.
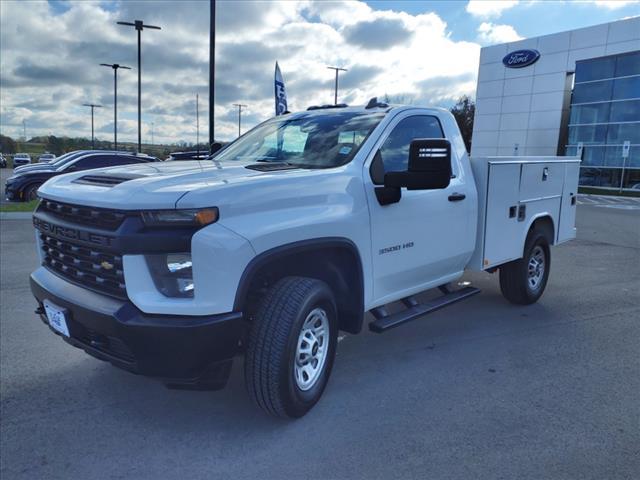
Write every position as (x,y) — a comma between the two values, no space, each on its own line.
(489,8)
(49,63)
(489,33)
(615,4)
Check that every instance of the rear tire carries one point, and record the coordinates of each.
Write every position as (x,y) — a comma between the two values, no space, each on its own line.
(523,281)
(291,346)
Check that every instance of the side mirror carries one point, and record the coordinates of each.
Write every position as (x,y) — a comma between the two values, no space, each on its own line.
(429,166)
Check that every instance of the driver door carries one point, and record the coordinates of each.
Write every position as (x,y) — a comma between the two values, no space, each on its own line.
(421,241)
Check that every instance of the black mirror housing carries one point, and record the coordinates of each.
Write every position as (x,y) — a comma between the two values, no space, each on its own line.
(429,166)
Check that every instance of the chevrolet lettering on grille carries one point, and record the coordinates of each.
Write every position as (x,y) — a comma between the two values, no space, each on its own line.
(71,233)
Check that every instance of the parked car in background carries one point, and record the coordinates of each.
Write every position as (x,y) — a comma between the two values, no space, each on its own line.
(62,159)
(46,158)
(3,161)
(201,155)
(21,159)
(23,185)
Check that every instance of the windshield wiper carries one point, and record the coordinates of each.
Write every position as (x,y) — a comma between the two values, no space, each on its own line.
(263,160)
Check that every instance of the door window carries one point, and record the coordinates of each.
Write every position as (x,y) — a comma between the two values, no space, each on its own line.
(94,161)
(395,149)
(100,161)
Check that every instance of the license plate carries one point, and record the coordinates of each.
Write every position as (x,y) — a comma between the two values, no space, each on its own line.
(56,317)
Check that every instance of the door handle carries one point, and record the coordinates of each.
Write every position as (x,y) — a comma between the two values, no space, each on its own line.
(456,197)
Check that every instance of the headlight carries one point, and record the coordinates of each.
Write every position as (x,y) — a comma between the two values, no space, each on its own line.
(172,273)
(197,217)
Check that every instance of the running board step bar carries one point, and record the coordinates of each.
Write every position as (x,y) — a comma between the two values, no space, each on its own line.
(384,321)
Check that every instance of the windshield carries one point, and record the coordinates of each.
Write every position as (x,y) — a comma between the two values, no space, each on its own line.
(308,141)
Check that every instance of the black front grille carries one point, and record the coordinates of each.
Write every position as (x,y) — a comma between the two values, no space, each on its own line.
(93,216)
(89,267)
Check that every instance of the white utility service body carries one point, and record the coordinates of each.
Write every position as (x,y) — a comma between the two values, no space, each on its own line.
(513,192)
(324,201)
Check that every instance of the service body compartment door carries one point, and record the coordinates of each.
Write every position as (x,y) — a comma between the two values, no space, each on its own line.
(541,180)
(567,224)
(501,225)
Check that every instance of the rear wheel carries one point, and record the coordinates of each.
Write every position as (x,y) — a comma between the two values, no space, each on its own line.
(523,281)
(31,193)
(291,346)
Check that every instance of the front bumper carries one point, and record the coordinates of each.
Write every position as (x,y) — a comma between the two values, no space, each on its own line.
(11,193)
(188,351)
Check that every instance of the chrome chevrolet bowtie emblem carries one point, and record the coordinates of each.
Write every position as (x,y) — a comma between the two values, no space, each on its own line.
(106,265)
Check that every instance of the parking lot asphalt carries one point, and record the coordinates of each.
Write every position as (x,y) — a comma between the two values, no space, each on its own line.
(483,389)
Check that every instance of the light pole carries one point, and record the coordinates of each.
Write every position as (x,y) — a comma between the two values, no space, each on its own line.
(92,105)
(139,26)
(153,127)
(240,107)
(115,68)
(197,125)
(337,69)
(212,67)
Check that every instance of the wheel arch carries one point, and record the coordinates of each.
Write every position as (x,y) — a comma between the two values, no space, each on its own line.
(543,222)
(334,260)
(27,186)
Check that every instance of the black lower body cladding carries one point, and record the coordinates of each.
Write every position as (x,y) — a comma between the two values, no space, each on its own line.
(180,350)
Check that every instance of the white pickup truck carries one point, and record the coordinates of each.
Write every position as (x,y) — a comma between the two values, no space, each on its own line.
(287,236)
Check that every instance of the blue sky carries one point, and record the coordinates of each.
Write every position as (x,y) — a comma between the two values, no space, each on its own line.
(530,19)
(418,52)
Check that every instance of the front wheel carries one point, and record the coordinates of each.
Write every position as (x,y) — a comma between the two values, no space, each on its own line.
(32,192)
(291,346)
(523,281)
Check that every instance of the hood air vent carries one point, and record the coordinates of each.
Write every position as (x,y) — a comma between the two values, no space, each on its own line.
(105,180)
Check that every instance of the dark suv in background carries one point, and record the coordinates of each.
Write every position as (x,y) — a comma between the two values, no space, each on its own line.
(24,184)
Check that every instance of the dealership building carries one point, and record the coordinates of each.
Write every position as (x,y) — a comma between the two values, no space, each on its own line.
(569,93)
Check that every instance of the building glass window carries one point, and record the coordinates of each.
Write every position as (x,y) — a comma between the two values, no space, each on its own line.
(588,134)
(628,87)
(634,157)
(591,113)
(595,69)
(593,156)
(628,111)
(622,132)
(628,64)
(592,92)
(632,178)
(604,114)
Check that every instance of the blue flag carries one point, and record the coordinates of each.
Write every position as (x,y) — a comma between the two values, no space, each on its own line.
(281,94)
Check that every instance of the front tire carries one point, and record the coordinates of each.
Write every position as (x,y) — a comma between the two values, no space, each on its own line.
(523,281)
(291,346)
(31,193)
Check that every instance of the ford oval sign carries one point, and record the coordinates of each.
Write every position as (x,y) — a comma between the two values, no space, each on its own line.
(521,58)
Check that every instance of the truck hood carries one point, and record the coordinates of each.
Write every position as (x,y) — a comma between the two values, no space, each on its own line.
(33,167)
(154,185)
